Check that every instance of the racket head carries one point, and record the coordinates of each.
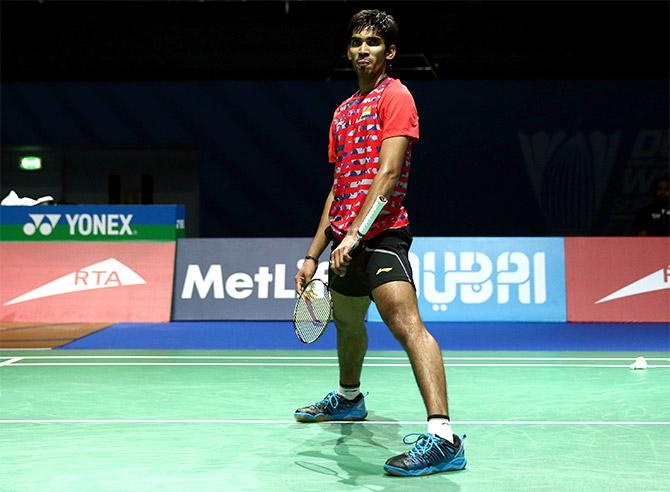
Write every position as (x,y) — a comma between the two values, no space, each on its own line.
(313,311)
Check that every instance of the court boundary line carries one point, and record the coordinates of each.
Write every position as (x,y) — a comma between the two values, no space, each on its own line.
(283,422)
(10,361)
(303,364)
(300,357)
(9,349)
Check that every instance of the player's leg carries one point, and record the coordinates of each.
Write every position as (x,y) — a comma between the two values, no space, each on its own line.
(397,305)
(439,449)
(352,336)
(350,304)
(390,278)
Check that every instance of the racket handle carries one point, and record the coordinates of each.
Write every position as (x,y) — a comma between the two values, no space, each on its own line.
(369,219)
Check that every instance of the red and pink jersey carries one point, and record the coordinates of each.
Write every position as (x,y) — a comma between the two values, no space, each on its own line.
(359,126)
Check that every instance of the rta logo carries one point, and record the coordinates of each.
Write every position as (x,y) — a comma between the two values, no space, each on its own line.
(45,227)
(102,275)
(659,280)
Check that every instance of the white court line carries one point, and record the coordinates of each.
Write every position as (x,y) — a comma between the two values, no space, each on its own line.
(283,422)
(6,349)
(10,361)
(306,364)
(277,357)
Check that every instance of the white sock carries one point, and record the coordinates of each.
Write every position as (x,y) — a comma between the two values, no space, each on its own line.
(440,427)
(349,393)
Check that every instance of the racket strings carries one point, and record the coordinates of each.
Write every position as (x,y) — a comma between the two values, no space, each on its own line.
(312,314)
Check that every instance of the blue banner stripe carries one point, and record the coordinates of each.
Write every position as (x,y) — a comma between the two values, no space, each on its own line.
(141,214)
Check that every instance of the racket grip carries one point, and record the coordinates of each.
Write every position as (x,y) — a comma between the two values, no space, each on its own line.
(372,214)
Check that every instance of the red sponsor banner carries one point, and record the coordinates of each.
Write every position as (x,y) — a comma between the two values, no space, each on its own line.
(618,279)
(86,282)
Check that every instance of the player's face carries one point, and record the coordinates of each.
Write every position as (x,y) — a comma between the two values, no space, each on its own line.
(368,53)
(663,190)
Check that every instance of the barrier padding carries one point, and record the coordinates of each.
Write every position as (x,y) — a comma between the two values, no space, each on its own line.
(251,335)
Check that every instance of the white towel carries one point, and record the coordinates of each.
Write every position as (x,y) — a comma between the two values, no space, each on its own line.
(14,199)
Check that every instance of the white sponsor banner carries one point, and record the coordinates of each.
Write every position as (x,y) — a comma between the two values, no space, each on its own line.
(246,279)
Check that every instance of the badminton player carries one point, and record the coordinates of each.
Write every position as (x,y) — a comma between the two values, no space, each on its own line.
(370,146)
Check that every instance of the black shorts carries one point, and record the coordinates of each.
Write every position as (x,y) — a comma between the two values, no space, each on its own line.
(380,260)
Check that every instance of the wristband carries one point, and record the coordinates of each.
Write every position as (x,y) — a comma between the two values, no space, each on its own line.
(308,257)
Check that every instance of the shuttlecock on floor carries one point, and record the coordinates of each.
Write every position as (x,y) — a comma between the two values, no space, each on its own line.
(640,363)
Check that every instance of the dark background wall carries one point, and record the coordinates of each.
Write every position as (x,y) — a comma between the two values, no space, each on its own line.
(209,39)
(537,118)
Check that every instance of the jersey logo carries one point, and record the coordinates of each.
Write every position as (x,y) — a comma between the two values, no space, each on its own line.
(384,270)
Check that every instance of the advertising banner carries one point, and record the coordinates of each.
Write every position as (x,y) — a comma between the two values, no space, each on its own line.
(458,279)
(618,279)
(488,279)
(68,282)
(92,223)
(245,279)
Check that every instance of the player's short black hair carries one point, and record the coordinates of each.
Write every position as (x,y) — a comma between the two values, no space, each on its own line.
(380,22)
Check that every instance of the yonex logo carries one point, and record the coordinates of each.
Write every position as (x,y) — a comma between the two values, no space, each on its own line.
(103,275)
(82,224)
(658,280)
(44,223)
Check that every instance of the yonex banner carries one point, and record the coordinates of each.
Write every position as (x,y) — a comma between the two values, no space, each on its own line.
(67,282)
(92,223)
(618,278)
(227,279)
(488,279)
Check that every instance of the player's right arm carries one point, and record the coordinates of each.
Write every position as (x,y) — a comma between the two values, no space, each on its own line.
(318,245)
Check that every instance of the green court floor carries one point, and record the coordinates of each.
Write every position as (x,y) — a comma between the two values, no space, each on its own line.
(143,421)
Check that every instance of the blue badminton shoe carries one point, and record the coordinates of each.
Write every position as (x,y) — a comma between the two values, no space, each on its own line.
(334,407)
(430,454)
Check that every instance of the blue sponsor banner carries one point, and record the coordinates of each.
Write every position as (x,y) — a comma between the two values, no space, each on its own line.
(488,279)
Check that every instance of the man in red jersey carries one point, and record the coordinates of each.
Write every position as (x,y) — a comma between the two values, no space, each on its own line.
(371,138)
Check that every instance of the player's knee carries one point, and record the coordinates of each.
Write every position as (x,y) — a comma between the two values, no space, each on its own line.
(349,328)
(349,322)
(404,327)
(349,318)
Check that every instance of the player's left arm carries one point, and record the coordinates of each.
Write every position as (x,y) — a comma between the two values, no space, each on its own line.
(391,159)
